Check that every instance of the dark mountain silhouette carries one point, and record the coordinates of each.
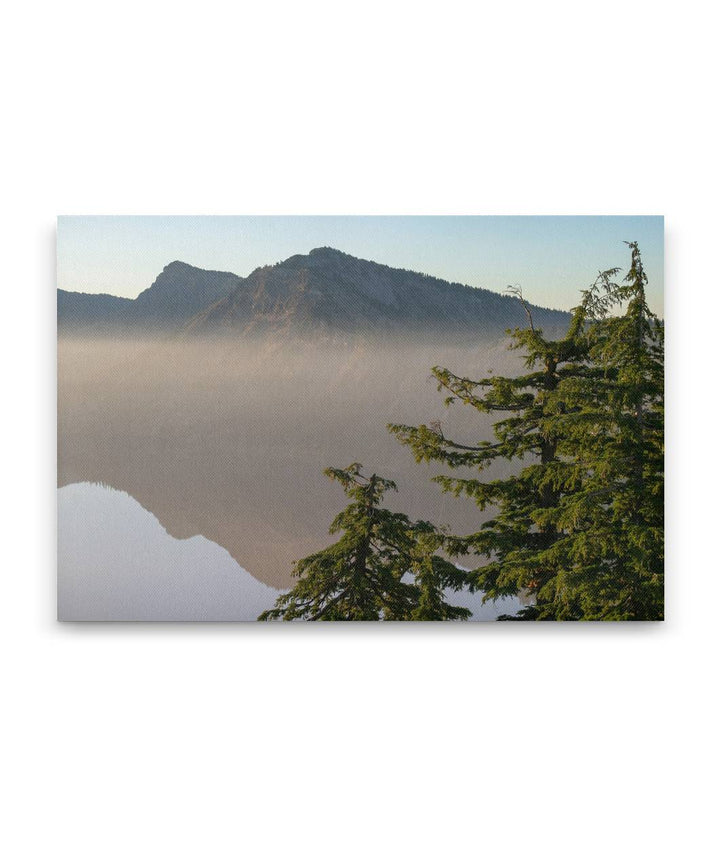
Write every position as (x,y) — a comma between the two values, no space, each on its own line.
(96,312)
(177,294)
(325,294)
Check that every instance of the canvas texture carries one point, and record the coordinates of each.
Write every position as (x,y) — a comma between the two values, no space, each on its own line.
(276,419)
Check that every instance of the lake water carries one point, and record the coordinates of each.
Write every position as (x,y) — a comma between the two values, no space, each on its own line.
(191,475)
(117,563)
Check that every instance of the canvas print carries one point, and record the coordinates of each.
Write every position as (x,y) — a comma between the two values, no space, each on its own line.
(360,418)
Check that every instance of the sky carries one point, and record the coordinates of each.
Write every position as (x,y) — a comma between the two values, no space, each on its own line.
(551,258)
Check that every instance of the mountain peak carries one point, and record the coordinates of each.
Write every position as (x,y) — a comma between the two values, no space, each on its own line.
(181,290)
(177,266)
(328,252)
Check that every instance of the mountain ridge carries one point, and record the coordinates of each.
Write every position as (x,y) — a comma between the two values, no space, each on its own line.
(179,291)
(325,294)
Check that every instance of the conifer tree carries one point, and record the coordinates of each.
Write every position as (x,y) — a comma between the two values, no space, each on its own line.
(571,529)
(366,574)
(613,450)
(513,540)
(431,576)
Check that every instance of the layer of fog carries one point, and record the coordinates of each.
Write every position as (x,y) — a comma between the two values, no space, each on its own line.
(230,441)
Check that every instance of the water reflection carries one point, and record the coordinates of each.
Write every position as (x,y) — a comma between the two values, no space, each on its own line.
(229,442)
(117,563)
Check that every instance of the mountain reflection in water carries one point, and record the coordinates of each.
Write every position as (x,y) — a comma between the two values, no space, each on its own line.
(116,563)
(229,441)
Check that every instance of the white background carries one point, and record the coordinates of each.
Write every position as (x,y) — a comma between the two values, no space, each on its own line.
(228,739)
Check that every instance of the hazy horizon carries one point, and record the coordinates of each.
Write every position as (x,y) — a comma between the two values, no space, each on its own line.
(551,258)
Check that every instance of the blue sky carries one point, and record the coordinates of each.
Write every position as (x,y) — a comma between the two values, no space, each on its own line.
(552,258)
